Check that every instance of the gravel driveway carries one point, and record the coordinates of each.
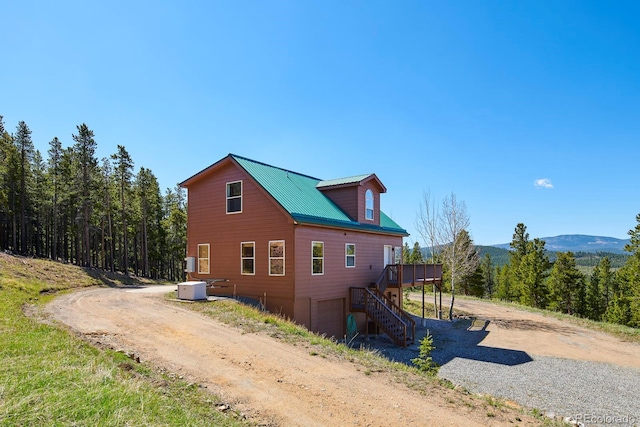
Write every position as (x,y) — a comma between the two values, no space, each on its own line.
(588,391)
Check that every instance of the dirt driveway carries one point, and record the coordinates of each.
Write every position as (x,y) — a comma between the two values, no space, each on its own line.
(536,334)
(272,382)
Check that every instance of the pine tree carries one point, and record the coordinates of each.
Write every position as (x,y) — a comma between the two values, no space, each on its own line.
(416,254)
(504,287)
(595,295)
(55,157)
(406,253)
(566,284)
(488,275)
(108,241)
(6,150)
(520,248)
(85,148)
(150,208)
(471,280)
(25,151)
(124,173)
(627,292)
(533,271)
(41,206)
(175,226)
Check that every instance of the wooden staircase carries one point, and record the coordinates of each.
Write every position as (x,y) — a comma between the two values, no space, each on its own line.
(386,314)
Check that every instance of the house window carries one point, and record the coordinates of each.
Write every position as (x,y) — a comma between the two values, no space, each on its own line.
(350,255)
(234,197)
(247,257)
(203,258)
(317,258)
(276,258)
(368,208)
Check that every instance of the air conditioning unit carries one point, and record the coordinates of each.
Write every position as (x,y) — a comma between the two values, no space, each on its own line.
(192,290)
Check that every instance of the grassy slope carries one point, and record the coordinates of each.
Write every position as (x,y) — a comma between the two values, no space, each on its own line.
(48,376)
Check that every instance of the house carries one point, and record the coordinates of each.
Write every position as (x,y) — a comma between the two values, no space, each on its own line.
(310,249)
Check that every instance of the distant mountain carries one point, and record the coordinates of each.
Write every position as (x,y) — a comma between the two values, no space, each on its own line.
(580,243)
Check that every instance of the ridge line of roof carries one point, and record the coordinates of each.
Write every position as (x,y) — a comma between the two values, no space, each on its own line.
(235,156)
(346,179)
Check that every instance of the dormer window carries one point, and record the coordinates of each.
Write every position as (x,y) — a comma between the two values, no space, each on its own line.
(368,203)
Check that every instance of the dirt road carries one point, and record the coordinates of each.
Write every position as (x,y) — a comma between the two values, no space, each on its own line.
(272,382)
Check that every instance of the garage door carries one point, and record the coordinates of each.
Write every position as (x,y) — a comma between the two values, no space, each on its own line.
(331,317)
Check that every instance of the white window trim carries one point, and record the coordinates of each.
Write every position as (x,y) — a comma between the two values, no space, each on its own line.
(314,258)
(373,205)
(208,258)
(242,258)
(227,198)
(283,257)
(346,255)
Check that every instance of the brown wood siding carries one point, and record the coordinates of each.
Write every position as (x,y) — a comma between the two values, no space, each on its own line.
(337,278)
(261,221)
(346,198)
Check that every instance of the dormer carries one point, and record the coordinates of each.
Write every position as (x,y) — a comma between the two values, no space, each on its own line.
(358,196)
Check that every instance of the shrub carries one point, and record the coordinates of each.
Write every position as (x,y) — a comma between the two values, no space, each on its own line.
(424,362)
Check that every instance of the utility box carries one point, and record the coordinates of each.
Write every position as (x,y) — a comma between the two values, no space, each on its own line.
(192,290)
(190,264)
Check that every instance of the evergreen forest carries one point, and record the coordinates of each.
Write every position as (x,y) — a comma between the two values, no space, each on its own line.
(70,206)
(600,286)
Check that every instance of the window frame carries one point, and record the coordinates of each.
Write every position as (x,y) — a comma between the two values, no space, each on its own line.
(369,200)
(272,258)
(229,198)
(347,256)
(208,258)
(314,258)
(243,258)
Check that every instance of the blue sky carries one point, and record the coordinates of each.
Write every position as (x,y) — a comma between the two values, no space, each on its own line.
(480,98)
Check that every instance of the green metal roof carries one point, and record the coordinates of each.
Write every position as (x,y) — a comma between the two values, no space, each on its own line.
(341,181)
(299,196)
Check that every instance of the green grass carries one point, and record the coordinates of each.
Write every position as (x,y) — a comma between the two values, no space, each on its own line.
(49,377)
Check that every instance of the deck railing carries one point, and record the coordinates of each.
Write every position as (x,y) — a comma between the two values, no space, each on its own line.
(399,312)
(398,275)
(389,317)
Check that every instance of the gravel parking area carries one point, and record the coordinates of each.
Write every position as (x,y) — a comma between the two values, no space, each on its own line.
(589,392)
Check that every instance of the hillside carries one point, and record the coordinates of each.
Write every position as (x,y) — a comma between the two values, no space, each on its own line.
(500,256)
(580,243)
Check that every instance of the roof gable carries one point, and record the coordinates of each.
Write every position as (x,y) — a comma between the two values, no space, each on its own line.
(300,196)
(351,181)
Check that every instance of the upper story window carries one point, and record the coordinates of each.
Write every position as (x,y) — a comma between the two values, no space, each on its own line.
(350,255)
(317,258)
(276,258)
(203,258)
(368,205)
(248,257)
(234,197)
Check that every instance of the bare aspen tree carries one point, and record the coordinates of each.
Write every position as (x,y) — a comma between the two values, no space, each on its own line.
(427,224)
(461,257)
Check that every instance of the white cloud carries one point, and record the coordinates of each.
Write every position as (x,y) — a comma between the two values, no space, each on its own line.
(543,183)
